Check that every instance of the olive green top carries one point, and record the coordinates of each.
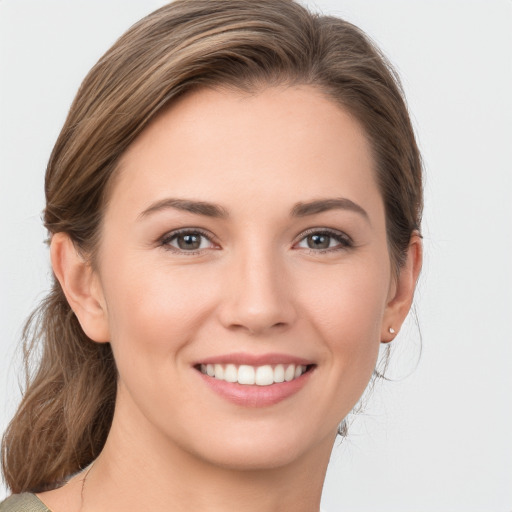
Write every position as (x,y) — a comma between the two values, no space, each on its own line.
(25,502)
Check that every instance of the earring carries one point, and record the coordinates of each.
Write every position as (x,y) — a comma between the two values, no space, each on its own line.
(343,429)
(391,330)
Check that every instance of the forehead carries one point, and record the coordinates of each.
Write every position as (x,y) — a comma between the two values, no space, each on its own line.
(291,143)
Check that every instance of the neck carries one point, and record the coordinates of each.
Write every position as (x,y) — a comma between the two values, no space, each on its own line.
(140,470)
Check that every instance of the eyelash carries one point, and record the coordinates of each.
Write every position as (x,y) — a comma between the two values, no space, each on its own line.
(344,241)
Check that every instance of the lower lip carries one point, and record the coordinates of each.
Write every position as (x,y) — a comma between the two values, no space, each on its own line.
(256,396)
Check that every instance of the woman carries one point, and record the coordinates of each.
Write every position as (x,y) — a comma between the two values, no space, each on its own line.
(234,206)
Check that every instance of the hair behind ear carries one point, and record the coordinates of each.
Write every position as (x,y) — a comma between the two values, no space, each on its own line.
(68,403)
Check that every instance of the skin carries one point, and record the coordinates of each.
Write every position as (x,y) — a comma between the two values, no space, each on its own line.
(255,286)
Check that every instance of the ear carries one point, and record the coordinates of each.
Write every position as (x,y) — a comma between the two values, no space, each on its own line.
(82,287)
(402,290)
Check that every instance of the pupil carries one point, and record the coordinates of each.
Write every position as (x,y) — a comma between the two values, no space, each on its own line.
(318,241)
(189,242)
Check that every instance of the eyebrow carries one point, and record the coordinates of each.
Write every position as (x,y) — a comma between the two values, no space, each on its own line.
(323,205)
(197,207)
(214,210)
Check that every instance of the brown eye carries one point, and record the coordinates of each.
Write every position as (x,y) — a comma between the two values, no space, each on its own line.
(187,241)
(325,241)
(318,241)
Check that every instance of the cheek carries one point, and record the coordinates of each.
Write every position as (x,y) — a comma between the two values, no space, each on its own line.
(154,309)
(347,311)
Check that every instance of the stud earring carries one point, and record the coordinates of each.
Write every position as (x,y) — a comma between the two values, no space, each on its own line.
(391,330)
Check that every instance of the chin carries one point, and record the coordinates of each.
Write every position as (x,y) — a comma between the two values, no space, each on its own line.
(259,447)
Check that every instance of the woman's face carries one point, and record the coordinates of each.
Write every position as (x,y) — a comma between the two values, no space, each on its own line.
(245,236)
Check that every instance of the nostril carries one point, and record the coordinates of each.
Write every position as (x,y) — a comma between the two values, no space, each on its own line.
(252,330)
(253,313)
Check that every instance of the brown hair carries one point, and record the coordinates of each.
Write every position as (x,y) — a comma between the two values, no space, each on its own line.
(67,408)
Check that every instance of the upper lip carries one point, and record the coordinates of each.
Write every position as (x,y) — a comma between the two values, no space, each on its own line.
(254,359)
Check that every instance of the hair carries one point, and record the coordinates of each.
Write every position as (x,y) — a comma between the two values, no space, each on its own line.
(66,411)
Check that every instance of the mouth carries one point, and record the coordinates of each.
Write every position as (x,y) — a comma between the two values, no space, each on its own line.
(247,375)
(255,380)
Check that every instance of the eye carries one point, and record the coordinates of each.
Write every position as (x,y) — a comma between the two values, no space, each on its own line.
(191,241)
(325,240)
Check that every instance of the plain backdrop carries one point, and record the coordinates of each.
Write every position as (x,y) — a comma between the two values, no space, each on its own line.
(437,438)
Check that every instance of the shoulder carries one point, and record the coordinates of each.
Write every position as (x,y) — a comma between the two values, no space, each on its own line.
(25,502)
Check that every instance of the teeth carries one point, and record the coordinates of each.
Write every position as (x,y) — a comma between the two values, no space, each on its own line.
(254,375)
(289,373)
(279,373)
(246,374)
(264,376)
(231,373)
(219,371)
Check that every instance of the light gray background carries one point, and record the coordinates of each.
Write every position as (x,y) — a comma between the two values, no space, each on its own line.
(437,440)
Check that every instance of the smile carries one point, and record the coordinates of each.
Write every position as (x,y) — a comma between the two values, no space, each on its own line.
(255,380)
(265,375)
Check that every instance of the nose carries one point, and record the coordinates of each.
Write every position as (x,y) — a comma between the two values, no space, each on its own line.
(259,297)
